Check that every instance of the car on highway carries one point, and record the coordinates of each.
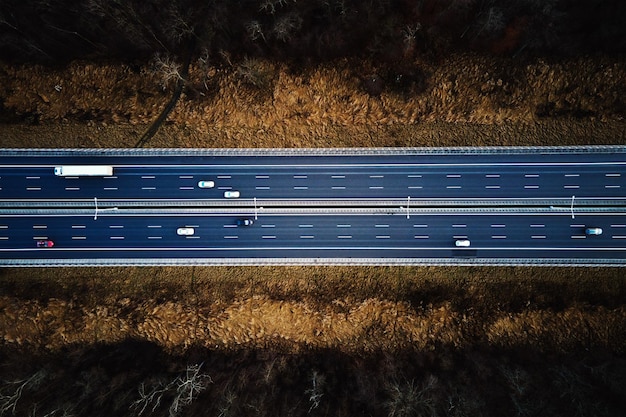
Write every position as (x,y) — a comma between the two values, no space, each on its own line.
(245,222)
(185,231)
(45,243)
(593,231)
(462,243)
(206,184)
(231,194)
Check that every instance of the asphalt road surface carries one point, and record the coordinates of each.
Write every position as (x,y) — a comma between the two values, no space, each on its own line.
(327,177)
(523,237)
(37,205)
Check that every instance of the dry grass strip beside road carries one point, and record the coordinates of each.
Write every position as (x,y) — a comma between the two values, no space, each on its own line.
(368,326)
(348,309)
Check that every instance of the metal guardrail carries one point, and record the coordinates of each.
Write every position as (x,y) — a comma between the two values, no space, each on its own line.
(309,210)
(388,202)
(313,262)
(496,150)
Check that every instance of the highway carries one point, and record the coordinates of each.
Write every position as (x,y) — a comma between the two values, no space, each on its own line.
(405,206)
(451,178)
(339,234)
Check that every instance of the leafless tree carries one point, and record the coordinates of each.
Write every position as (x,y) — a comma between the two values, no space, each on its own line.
(183,390)
(411,398)
(167,69)
(315,392)
(255,30)
(286,25)
(270,6)
(11,392)
(188,387)
(179,26)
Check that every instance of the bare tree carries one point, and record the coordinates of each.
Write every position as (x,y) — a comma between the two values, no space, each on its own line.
(150,400)
(315,392)
(411,399)
(179,26)
(11,392)
(188,387)
(182,390)
(270,6)
(167,69)
(255,30)
(286,25)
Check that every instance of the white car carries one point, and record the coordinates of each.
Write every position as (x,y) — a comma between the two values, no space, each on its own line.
(185,231)
(206,184)
(593,231)
(231,194)
(462,243)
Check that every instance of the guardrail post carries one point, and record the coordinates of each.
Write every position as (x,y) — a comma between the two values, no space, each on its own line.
(408,201)
(256,214)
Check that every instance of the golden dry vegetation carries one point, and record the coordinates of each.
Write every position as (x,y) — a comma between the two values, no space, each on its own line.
(346,309)
(381,340)
(329,106)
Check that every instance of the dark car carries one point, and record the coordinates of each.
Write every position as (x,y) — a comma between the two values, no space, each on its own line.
(245,222)
(45,243)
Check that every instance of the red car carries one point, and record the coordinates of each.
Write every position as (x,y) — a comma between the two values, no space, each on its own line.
(45,243)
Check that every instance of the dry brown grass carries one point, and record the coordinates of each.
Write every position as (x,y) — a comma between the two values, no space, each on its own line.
(571,329)
(328,105)
(291,308)
(542,133)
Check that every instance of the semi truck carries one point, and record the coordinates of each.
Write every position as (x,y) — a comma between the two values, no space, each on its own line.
(83,171)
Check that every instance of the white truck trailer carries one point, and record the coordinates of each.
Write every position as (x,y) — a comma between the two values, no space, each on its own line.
(83,171)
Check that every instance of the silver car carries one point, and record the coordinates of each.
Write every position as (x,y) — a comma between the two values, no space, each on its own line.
(231,194)
(185,231)
(462,243)
(206,184)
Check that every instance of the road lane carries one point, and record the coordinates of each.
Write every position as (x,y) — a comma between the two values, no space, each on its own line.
(441,176)
(492,235)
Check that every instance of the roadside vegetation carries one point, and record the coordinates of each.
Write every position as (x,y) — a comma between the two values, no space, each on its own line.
(298,341)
